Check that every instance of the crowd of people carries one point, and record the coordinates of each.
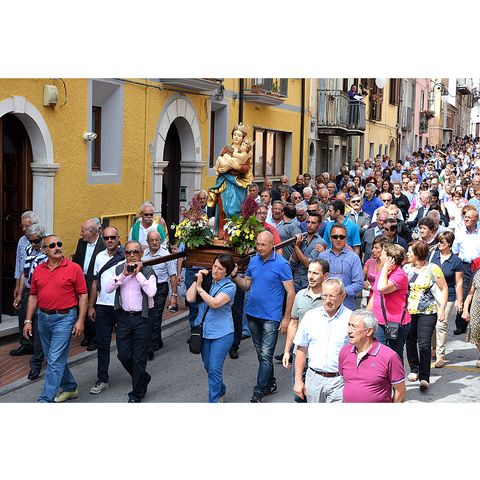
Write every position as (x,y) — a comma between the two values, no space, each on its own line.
(385,256)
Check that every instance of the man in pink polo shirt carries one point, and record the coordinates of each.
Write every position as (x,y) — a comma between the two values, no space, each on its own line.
(372,372)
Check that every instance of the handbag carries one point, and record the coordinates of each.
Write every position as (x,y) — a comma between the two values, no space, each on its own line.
(196,336)
(392,329)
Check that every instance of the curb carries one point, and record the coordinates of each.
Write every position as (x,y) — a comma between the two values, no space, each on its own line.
(84,356)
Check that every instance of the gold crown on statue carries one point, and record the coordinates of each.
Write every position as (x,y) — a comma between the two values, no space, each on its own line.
(240,126)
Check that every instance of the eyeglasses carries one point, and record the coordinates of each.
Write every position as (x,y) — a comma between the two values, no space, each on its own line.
(132,252)
(147,214)
(329,297)
(52,245)
(35,240)
(338,237)
(109,237)
(392,228)
(354,201)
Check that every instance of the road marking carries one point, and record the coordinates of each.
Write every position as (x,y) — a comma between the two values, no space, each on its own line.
(459,368)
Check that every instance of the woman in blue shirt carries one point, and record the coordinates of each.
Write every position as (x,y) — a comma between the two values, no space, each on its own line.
(215,310)
(452,268)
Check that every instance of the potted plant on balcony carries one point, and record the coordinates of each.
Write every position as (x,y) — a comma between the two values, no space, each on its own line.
(428,114)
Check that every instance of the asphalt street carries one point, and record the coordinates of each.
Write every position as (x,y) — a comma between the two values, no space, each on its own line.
(179,377)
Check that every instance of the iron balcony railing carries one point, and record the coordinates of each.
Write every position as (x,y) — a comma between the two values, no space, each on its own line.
(336,111)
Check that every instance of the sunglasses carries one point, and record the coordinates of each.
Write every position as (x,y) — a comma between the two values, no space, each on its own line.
(392,228)
(132,252)
(354,201)
(109,237)
(338,237)
(147,214)
(312,211)
(52,245)
(36,240)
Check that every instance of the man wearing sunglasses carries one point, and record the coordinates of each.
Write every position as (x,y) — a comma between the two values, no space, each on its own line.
(358,216)
(389,231)
(59,291)
(145,224)
(344,264)
(100,309)
(135,287)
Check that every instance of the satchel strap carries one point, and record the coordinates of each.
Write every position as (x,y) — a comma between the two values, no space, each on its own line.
(404,308)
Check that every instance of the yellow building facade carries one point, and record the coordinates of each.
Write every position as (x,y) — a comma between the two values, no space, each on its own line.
(156,140)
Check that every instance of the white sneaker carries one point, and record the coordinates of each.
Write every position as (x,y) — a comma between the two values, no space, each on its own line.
(424,385)
(99,387)
(412,377)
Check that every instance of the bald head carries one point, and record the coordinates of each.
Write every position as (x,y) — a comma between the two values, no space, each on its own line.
(265,244)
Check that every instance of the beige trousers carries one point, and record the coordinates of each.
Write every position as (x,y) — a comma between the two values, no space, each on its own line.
(439,337)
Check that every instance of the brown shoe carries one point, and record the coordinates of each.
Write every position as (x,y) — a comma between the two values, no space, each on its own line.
(440,363)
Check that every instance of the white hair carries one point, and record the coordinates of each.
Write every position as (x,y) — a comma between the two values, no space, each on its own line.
(146,204)
(31,215)
(368,317)
(308,191)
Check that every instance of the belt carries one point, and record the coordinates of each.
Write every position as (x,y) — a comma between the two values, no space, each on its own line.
(325,374)
(133,314)
(62,311)
(162,283)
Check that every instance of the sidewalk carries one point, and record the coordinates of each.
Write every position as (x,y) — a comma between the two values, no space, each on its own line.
(14,370)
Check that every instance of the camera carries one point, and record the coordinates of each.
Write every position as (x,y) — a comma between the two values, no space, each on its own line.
(131,268)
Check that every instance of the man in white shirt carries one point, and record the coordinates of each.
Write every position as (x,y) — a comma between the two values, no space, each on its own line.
(322,333)
(146,224)
(164,272)
(100,309)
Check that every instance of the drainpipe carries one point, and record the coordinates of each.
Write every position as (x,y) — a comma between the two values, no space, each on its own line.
(240,101)
(302,127)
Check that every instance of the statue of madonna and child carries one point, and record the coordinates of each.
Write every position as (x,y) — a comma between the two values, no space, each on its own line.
(234,173)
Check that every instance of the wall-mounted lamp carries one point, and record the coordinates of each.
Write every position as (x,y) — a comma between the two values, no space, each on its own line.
(50,95)
(444,93)
(89,136)
(380,82)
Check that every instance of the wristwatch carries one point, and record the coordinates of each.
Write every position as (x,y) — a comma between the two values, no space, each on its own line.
(174,294)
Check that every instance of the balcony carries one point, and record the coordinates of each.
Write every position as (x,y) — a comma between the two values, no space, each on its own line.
(423,124)
(337,115)
(407,118)
(204,85)
(266,91)
(464,86)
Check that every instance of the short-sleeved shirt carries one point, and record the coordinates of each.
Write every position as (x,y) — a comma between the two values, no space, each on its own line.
(266,294)
(371,380)
(58,289)
(104,298)
(449,267)
(394,302)
(288,230)
(218,321)
(421,299)
(369,206)
(324,336)
(466,245)
(353,233)
(165,270)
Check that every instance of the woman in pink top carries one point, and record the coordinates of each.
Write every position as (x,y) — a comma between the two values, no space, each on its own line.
(373,266)
(391,286)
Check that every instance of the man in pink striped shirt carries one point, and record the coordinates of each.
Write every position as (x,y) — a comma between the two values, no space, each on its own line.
(134,286)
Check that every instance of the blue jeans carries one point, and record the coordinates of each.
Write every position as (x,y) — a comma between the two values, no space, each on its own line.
(264,336)
(245,327)
(55,333)
(396,345)
(192,307)
(214,352)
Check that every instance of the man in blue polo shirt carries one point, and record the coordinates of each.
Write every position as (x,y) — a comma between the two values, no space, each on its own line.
(267,279)
(370,201)
(336,211)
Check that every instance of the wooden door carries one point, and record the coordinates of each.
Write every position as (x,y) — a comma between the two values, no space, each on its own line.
(171,177)
(15,198)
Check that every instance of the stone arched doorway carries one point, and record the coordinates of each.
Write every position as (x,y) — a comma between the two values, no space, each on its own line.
(26,145)
(178,154)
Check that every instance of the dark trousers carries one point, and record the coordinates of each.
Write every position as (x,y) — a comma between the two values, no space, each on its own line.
(134,334)
(237,314)
(419,344)
(159,305)
(22,311)
(190,273)
(460,323)
(89,332)
(105,319)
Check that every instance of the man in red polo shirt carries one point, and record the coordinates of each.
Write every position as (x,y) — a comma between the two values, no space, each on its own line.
(59,291)
(372,372)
